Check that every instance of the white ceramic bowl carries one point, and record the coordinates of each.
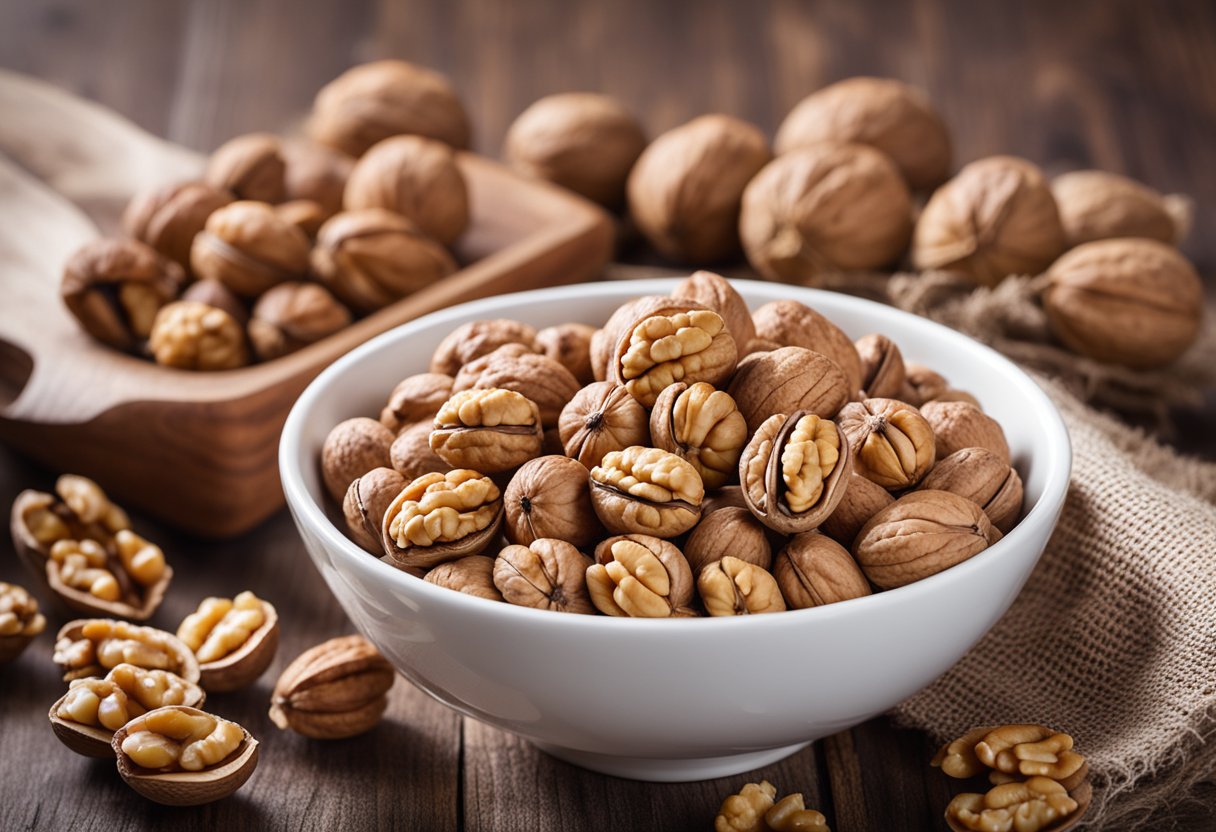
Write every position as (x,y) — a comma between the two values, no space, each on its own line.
(675,700)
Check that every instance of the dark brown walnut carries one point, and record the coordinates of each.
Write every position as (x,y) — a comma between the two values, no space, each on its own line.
(1138,303)
(490,429)
(862,500)
(373,257)
(416,398)
(995,218)
(882,367)
(984,478)
(883,113)
(570,346)
(727,531)
(640,576)
(920,534)
(249,248)
(1098,205)
(304,214)
(472,575)
(545,381)
(958,425)
(671,344)
(315,173)
(601,418)
(351,449)
(824,209)
(785,381)
(116,287)
(646,491)
(214,293)
(293,315)
(736,587)
(335,690)
(922,384)
(702,425)
(583,141)
(794,471)
(477,338)
(788,323)
(167,218)
(546,574)
(713,291)
(417,178)
(411,454)
(730,496)
(604,341)
(20,621)
(194,336)
(550,496)
(442,517)
(813,570)
(250,167)
(373,101)
(685,189)
(93,646)
(891,442)
(368,497)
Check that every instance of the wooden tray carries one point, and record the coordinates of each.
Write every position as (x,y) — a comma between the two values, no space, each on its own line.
(198,450)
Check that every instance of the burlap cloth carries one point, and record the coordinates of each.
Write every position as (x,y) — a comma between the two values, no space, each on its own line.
(1114,637)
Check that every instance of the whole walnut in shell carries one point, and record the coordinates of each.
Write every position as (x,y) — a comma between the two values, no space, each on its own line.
(373,101)
(167,218)
(472,575)
(713,291)
(411,454)
(958,425)
(477,338)
(880,112)
(788,380)
(862,499)
(304,214)
(813,570)
(583,141)
(292,315)
(984,478)
(547,574)
(732,586)
(996,218)
(602,417)
(892,442)
(416,398)
(493,429)
(367,498)
(1138,303)
(351,449)
(249,248)
(789,323)
(417,178)
(543,380)
(550,496)
(570,345)
(1097,205)
(646,491)
(250,167)
(823,209)
(728,531)
(686,187)
(882,367)
(315,173)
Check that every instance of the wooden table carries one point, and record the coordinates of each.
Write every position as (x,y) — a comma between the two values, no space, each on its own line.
(1126,86)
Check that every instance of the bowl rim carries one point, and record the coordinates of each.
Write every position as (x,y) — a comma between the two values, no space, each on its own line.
(1055,445)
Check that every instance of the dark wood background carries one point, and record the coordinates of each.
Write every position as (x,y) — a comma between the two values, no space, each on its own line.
(1127,86)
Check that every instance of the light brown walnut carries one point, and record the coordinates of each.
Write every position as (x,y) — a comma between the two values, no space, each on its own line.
(491,430)
(984,478)
(411,455)
(542,379)
(249,248)
(442,517)
(570,346)
(546,574)
(862,500)
(167,218)
(194,336)
(813,570)
(550,497)
(416,398)
(786,381)
(715,292)
(601,418)
(646,491)
(703,426)
(640,576)
(735,587)
(368,497)
(882,367)
(788,323)
(477,338)
(250,166)
(472,575)
(958,425)
(673,344)
(337,689)
(893,445)
(727,531)
(350,450)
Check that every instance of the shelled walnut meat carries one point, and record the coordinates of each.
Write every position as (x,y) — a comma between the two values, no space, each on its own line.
(92,646)
(20,621)
(234,640)
(755,809)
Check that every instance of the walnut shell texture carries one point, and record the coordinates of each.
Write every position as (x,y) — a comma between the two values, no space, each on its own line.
(789,323)
(785,381)
(1097,205)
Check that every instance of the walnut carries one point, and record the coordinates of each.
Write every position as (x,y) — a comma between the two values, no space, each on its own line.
(605,339)
(570,346)
(882,367)
(1029,750)
(367,498)
(547,574)
(889,115)
(376,100)
(862,500)
(920,534)
(416,398)
(582,141)
(713,291)
(472,575)
(550,497)
(957,758)
(442,517)
(735,587)
(20,621)
(984,478)
(88,647)
(477,338)
(116,287)
(813,570)
(417,178)
(335,690)
(997,217)
(1138,303)
(544,381)
(315,173)
(703,426)
(744,812)
(788,323)
(373,257)
(491,429)
(788,380)
(685,189)
(727,531)
(250,167)
(1034,805)
(646,491)
(194,336)
(304,214)
(673,344)
(82,565)
(249,248)
(601,418)
(729,496)
(789,814)
(1097,205)
(351,449)
(214,293)
(411,454)
(126,692)
(640,576)
(958,425)
(892,442)
(234,640)
(921,385)
(292,315)
(175,739)
(824,209)
(167,218)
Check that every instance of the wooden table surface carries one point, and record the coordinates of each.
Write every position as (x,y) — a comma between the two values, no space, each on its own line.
(1125,86)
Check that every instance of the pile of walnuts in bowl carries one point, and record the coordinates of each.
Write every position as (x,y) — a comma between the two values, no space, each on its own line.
(687,458)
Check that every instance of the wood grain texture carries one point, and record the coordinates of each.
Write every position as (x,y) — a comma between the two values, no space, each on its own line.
(1125,85)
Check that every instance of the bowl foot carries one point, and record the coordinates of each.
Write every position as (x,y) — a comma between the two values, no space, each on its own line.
(674,770)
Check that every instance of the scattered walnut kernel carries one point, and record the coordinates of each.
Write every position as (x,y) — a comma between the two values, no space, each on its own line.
(1030,806)
(143,560)
(126,692)
(1029,750)
(20,621)
(82,565)
(789,814)
(90,646)
(194,336)
(744,812)
(958,759)
(640,576)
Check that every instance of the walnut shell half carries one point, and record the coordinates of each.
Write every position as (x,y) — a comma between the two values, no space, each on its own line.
(702,425)
(646,491)
(491,429)
(676,343)
(442,517)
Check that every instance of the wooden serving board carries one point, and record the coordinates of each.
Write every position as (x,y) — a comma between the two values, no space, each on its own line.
(199,450)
